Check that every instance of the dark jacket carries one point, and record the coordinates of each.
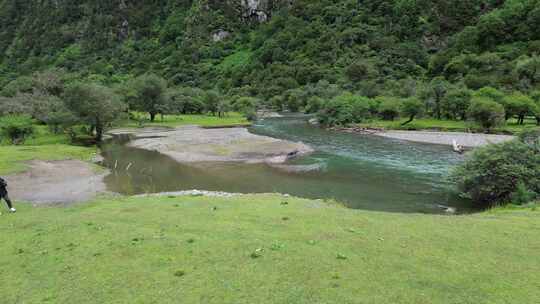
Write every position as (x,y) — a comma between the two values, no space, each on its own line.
(3,187)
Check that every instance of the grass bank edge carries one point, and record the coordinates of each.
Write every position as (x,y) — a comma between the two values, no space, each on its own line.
(511,128)
(13,158)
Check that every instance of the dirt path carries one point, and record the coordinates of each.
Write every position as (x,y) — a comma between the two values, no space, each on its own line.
(56,182)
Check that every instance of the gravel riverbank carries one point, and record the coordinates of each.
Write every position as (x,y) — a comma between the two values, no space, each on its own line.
(194,144)
(468,140)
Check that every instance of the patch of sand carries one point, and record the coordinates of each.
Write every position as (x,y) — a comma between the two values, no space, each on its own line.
(56,182)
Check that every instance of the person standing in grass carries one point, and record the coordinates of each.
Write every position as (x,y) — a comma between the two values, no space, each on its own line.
(4,194)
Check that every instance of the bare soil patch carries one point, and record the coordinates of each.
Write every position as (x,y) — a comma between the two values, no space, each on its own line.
(56,182)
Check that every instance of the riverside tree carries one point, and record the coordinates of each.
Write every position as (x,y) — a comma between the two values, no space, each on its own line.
(95,105)
(411,107)
(455,103)
(486,112)
(150,93)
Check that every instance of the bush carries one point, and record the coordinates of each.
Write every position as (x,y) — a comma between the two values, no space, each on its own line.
(245,104)
(411,107)
(314,104)
(486,112)
(16,127)
(389,107)
(456,102)
(497,174)
(344,109)
(519,105)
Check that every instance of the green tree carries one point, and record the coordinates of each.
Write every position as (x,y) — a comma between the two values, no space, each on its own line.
(536,109)
(456,102)
(389,107)
(150,94)
(16,127)
(344,109)
(211,100)
(433,94)
(95,105)
(519,105)
(486,112)
(411,107)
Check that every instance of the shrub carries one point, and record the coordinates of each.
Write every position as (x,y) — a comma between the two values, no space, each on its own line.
(314,104)
(245,104)
(455,104)
(490,93)
(536,107)
(344,109)
(411,107)
(519,105)
(486,112)
(16,127)
(389,107)
(496,174)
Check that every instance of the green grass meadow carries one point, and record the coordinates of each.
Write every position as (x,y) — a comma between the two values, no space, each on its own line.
(13,158)
(229,120)
(264,249)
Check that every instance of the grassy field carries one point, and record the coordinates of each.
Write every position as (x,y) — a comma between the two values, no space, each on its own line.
(12,158)
(511,126)
(231,119)
(257,249)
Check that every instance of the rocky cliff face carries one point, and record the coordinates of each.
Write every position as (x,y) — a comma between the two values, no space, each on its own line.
(257,10)
(250,10)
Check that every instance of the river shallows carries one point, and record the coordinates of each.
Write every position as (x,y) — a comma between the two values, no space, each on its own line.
(364,172)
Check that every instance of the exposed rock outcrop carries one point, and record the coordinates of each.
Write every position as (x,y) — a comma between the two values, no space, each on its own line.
(220,35)
(251,10)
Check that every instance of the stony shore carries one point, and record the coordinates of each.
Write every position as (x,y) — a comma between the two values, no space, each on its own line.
(468,140)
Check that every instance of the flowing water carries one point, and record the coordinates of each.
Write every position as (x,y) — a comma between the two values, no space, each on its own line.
(362,171)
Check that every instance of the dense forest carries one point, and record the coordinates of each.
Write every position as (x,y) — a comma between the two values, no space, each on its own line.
(343,59)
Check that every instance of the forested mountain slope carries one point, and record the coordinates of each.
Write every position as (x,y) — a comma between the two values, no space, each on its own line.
(264,48)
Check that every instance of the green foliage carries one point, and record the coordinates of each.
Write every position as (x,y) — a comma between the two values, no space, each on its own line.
(150,92)
(184,101)
(52,111)
(519,105)
(304,55)
(389,107)
(496,174)
(344,109)
(314,104)
(211,100)
(486,112)
(411,107)
(16,128)
(522,195)
(95,105)
(245,104)
(455,103)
